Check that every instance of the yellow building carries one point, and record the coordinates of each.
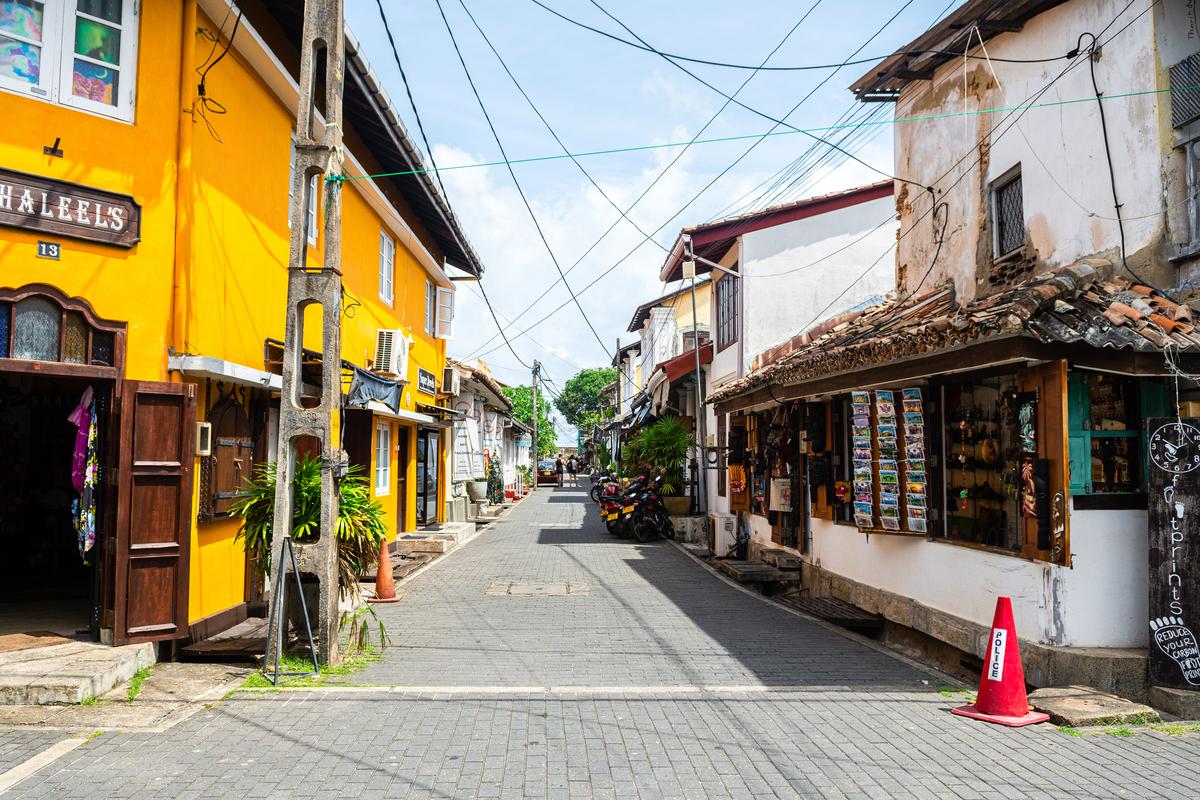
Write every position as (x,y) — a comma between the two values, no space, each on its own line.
(144,227)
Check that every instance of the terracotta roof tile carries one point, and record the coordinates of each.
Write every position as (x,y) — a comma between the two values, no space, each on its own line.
(1081,302)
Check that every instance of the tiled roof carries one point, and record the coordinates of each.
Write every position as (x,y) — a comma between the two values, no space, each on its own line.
(1083,302)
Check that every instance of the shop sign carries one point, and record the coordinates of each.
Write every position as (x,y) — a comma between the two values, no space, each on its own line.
(34,203)
(1174,449)
(426,381)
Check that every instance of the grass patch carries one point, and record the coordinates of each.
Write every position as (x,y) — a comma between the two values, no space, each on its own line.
(1177,728)
(135,683)
(353,662)
(1069,731)
(95,735)
(90,700)
(1122,731)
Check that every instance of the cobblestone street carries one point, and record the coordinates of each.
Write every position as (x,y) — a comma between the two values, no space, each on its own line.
(548,660)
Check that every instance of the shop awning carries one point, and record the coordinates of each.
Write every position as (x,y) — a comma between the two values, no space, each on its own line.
(403,414)
(684,365)
(1082,312)
(444,413)
(221,370)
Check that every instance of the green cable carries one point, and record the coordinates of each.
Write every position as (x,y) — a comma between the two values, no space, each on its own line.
(718,140)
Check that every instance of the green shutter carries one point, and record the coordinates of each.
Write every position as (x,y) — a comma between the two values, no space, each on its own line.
(1155,402)
(1079,439)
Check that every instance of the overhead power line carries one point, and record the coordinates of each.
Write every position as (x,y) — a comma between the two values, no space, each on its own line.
(663,172)
(639,45)
(718,176)
(1090,98)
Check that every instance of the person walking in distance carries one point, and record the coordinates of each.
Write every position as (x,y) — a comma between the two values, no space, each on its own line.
(572,469)
(560,468)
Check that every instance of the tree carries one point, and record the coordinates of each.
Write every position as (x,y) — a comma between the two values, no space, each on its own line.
(581,398)
(521,398)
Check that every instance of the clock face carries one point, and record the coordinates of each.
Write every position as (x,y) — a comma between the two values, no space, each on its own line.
(1175,447)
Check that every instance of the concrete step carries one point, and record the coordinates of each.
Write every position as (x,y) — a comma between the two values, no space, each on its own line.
(756,572)
(781,559)
(68,673)
(425,543)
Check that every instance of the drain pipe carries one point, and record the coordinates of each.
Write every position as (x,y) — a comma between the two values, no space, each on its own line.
(181,275)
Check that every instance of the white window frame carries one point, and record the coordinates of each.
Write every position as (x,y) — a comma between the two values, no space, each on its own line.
(58,57)
(387,268)
(383,459)
(430,308)
(444,298)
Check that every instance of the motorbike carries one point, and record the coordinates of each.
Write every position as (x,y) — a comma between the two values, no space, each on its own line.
(649,517)
(616,506)
(600,482)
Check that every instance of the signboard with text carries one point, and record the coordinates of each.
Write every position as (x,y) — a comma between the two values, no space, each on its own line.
(426,381)
(1174,456)
(45,205)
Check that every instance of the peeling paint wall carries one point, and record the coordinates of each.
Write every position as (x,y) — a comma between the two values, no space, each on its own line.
(1067,195)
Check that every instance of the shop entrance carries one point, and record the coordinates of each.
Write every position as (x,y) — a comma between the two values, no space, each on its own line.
(46,583)
(428,456)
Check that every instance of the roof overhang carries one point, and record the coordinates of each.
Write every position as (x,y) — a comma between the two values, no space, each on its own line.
(946,41)
(221,370)
(643,311)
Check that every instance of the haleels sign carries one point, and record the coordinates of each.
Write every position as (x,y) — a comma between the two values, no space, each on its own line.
(34,203)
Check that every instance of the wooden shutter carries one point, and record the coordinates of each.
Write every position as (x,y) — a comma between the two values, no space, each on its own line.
(445,313)
(232,456)
(1054,443)
(154,505)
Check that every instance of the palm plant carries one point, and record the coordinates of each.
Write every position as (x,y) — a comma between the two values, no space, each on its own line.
(662,446)
(360,531)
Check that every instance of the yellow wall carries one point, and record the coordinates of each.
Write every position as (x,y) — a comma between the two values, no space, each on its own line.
(236,248)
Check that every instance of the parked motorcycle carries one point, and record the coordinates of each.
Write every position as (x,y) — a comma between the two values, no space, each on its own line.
(649,517)
(617,506)
(600,482)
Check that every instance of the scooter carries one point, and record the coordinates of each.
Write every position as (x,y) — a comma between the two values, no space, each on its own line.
(600,482)
(617,506)
(650,518)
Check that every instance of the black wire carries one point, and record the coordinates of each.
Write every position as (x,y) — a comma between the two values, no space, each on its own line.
(1112,174)
(659,177)
(865,60)
(204,104)
(412,103)
(752,110)
(715,178)
(229,43)
(513,174)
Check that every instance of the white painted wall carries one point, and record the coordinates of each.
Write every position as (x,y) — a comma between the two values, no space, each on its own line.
(1060,149)
(795,275)
(1100,602)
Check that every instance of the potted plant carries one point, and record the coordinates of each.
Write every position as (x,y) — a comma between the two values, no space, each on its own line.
(361,527)
(662,447)
(526,476)
(477,489)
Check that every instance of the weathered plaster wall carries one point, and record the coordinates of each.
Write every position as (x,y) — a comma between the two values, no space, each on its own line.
(808,270)
(1067,193)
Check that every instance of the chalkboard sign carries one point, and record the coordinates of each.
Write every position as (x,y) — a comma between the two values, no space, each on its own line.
(1174,456)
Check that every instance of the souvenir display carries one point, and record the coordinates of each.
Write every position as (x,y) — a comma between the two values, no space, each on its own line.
(862,458)
(915,480)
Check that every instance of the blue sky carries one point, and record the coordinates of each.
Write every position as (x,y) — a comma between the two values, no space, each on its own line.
(599,94)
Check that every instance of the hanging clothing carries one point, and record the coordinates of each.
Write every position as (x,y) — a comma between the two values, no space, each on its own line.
(85,471)
(81,418)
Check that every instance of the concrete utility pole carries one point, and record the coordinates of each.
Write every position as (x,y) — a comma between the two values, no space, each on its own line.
(320,286)
(537,369)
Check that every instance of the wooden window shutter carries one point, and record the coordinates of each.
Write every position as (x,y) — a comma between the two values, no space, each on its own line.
(232,459)
(1055,444)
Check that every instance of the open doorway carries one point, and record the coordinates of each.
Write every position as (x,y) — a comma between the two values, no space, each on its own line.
(46,584)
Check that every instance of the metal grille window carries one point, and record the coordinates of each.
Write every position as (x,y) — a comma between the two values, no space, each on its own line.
(727,311)
(1008,215)
(1185,97)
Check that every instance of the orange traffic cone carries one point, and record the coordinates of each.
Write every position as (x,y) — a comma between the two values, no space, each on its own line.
(385,584)
(1002,697)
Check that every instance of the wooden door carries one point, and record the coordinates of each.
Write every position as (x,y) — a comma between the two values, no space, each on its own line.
(402,482)
(154,510)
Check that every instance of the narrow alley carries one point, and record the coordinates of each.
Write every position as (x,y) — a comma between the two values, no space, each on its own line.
(547,659)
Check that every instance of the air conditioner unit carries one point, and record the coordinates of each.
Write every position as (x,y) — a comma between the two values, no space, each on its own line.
(451,381)
(391,352)
(722,534)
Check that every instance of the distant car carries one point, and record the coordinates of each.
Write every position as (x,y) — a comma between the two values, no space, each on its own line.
(546,473)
